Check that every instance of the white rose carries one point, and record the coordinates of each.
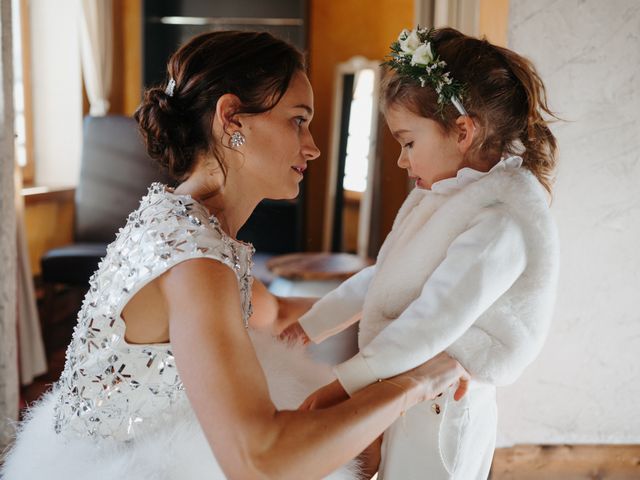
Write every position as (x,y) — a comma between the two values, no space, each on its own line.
(403,34)
(410,42)
(423,55)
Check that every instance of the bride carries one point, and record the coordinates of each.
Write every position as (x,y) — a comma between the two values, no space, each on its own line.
(169,374)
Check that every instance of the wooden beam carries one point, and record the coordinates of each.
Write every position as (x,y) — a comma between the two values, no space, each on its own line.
(126,89)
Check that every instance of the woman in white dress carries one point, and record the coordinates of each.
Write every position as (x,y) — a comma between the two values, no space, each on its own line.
(167,375)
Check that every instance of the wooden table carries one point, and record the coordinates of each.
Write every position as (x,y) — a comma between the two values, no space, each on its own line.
(312,274)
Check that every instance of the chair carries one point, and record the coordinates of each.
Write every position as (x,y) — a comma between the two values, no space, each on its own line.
(115,172)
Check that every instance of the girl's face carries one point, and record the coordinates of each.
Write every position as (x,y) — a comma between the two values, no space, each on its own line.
(428,153)
(279,143)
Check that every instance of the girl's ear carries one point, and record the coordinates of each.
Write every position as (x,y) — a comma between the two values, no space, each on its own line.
(227,111)
(466,132)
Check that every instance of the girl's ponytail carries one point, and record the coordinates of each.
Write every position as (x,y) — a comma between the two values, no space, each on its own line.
(540,144)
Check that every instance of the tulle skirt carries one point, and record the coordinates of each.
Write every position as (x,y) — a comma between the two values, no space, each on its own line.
(178,450)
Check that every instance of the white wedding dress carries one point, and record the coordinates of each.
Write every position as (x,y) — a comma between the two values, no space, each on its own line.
(120,411)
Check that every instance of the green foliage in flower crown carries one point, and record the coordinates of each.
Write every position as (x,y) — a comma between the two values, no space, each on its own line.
(412,56)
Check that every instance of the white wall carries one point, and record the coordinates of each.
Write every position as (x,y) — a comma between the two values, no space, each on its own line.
(57,91)
(585,387)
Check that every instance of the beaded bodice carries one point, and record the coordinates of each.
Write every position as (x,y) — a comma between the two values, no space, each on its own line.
(110,388)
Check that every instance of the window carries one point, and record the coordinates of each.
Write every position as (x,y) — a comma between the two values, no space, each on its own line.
(359,138)
(21,90)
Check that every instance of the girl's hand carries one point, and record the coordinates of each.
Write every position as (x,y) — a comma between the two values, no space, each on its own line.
(325,397)
(294,333)
(370,458)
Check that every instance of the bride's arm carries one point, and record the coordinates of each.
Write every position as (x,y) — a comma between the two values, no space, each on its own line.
(228,390)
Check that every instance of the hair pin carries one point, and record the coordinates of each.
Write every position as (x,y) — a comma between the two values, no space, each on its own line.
(170,87)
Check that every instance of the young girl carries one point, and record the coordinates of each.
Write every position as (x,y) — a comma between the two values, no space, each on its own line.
(470,265)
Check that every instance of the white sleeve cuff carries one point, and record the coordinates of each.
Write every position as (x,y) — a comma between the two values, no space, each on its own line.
(313,327)
(354,374)
(318,331)
(339,308)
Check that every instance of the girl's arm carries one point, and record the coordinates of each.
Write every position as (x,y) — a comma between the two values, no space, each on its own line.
(370,459)
(228,390)
(481,265)
(339,308)
(498,348)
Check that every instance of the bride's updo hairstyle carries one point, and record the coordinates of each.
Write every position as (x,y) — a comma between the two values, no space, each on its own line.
(176,118)
(503,94)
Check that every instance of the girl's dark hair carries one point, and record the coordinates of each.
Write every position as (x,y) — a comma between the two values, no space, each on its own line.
(505,96)
(254,66)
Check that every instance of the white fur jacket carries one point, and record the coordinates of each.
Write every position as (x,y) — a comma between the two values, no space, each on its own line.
(473,273)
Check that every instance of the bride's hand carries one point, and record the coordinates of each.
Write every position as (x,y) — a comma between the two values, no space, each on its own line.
(327,396)
(438,374)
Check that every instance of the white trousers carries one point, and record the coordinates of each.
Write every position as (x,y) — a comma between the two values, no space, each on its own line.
(443,439)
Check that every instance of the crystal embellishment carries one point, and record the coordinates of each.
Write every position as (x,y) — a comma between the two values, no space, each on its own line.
(111,389)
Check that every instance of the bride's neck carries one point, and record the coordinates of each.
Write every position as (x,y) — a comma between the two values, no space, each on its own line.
(232,204)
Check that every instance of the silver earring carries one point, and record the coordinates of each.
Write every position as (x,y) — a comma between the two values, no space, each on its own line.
(237,139)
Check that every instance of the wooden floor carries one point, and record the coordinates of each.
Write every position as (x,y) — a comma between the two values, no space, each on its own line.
(525,462)
(567,462)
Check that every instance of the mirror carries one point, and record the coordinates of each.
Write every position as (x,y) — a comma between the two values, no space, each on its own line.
(353,157)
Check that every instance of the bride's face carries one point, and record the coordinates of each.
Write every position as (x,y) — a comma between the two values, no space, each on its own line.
(279,143)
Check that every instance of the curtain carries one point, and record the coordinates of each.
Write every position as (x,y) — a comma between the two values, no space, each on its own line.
(96,48)
(31,354)
(8,273)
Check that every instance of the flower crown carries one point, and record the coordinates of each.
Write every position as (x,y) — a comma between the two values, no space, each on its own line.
(412,56)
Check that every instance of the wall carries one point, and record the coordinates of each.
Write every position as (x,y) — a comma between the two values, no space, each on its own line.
(338,31)
(584,387)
